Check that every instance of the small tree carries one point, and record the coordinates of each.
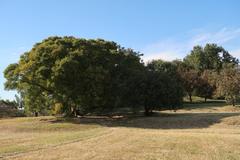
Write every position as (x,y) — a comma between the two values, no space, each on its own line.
(162,88)
(190,80)
(228,83)
(152,90)
(205,88)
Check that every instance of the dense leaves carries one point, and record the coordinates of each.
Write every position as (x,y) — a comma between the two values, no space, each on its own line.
(211,57)
(163,87)
(205,87)
(229,83)
(83,75)
(79,76)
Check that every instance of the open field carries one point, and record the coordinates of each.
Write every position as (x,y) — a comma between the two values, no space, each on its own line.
(200,131)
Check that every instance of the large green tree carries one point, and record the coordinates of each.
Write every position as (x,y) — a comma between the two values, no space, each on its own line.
(83,75)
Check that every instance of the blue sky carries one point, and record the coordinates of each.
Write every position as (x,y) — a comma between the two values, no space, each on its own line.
(166,29)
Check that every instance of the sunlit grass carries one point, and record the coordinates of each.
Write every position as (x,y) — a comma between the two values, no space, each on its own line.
(24,134)
(201,131)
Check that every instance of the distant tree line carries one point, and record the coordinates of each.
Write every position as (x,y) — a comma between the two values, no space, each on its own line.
(74,76)
(212,71)
(8,103)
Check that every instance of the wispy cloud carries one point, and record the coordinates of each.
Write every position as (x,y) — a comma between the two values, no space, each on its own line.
(178,47)
(220,37)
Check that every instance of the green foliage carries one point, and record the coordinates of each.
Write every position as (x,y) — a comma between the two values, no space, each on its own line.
(8,103)
(190,80)
(205,86)
(201,63)
(211,57)
(228,83)
(79,76)
(11,74)
(83,75)
(163,88)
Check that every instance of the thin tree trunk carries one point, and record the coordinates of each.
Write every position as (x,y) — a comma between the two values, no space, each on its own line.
(73,111)
(190,97)
(147,111)
(205,100)
(233,102)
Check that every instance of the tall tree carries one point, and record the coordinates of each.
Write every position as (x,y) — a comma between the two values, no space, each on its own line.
(196,59)
(211,57)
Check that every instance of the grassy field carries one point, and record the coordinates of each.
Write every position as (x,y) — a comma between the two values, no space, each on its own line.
(201,131)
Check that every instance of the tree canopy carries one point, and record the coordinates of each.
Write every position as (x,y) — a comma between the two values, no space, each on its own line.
(211,57)
(228,83)
(163,87)
(80,76)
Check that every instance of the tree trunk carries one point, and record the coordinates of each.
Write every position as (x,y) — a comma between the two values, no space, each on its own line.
(233,102)
(190,97)
(205,100)
(74,112)
(36,114)
(147,111)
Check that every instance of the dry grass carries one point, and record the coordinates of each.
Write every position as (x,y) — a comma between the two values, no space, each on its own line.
(211,132)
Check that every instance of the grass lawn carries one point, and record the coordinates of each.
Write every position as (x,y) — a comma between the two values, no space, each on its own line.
(201,131)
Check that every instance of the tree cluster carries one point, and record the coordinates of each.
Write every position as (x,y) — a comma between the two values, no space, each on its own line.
(78,76)
(74,76)
(211,71)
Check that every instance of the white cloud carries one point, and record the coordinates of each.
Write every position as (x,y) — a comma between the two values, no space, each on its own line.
(170,49)
(167,55)
(220,37)
(167,50)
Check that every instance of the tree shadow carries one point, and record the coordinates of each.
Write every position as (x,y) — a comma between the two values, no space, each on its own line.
(157,121)
(212,106)
(204,105)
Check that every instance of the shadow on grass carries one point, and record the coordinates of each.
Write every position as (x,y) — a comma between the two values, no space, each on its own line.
(157,121)
(204,105)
